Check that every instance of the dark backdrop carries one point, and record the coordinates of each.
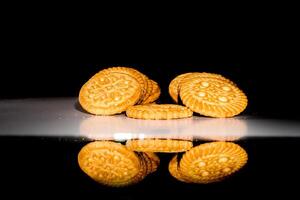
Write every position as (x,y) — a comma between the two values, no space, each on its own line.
(266,71)
(45,63)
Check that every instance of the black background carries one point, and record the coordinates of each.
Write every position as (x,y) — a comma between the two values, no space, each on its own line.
(267,72)
(46,60)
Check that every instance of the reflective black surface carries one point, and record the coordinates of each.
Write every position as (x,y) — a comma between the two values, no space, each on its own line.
(49,166)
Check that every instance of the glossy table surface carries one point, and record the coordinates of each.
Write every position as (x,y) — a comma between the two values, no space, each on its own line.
(63,117)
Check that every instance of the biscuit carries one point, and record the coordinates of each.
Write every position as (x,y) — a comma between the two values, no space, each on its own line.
(155,93)
(202,75)
(146,162)
(154,160)
(158,111)
(220,129)
(175,171)
(143,172)
(174,86)
(213,97)
(212,162)
(159,145)
(140,77)
(108,94)
(176,83)
(109,163)
(148,92)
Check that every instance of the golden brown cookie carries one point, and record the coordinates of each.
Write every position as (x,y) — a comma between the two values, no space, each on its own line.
(140,77)
(109,93)
(213,97)
(158,111)
(174,86)
(159,145)
(110,163)
(148,92)
(202,75)
(175,171)
(219,129)
(155,93)
(144,171)
(154,160)
(211,162)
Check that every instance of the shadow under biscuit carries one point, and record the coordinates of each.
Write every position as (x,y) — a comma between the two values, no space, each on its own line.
(79,108)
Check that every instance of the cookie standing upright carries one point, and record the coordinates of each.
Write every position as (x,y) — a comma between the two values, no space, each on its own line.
(174,86)
(109,93)
(211,162)
(213,97)
(154,94)
(175,171)
(140,77)
(110,163)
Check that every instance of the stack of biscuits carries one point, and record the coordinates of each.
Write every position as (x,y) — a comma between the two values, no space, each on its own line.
(121,89)
(112,164)
(113,90)
(118,89)
(117,165)
(208,94)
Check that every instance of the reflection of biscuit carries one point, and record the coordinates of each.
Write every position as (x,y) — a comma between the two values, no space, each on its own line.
(218,129)
(158,145)
(109,93)
(154,159)
(211,162)
(175,171)
(101,127)
(155,93)
(110,163)
(174,86)
(150,161)
(144,171)
(213,97)
(158,111)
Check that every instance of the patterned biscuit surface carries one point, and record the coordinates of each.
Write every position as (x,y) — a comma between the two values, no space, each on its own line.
(202,75)
(213,97)
(176,83)
(140,77)
(110,163)
(159,145)
(109,93)
(211,162)
(158,111)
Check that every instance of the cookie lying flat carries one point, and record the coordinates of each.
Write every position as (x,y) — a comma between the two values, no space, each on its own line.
(109,93)
(111,164)
(212,162)
(159,145)
(213,97)
(158,111)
